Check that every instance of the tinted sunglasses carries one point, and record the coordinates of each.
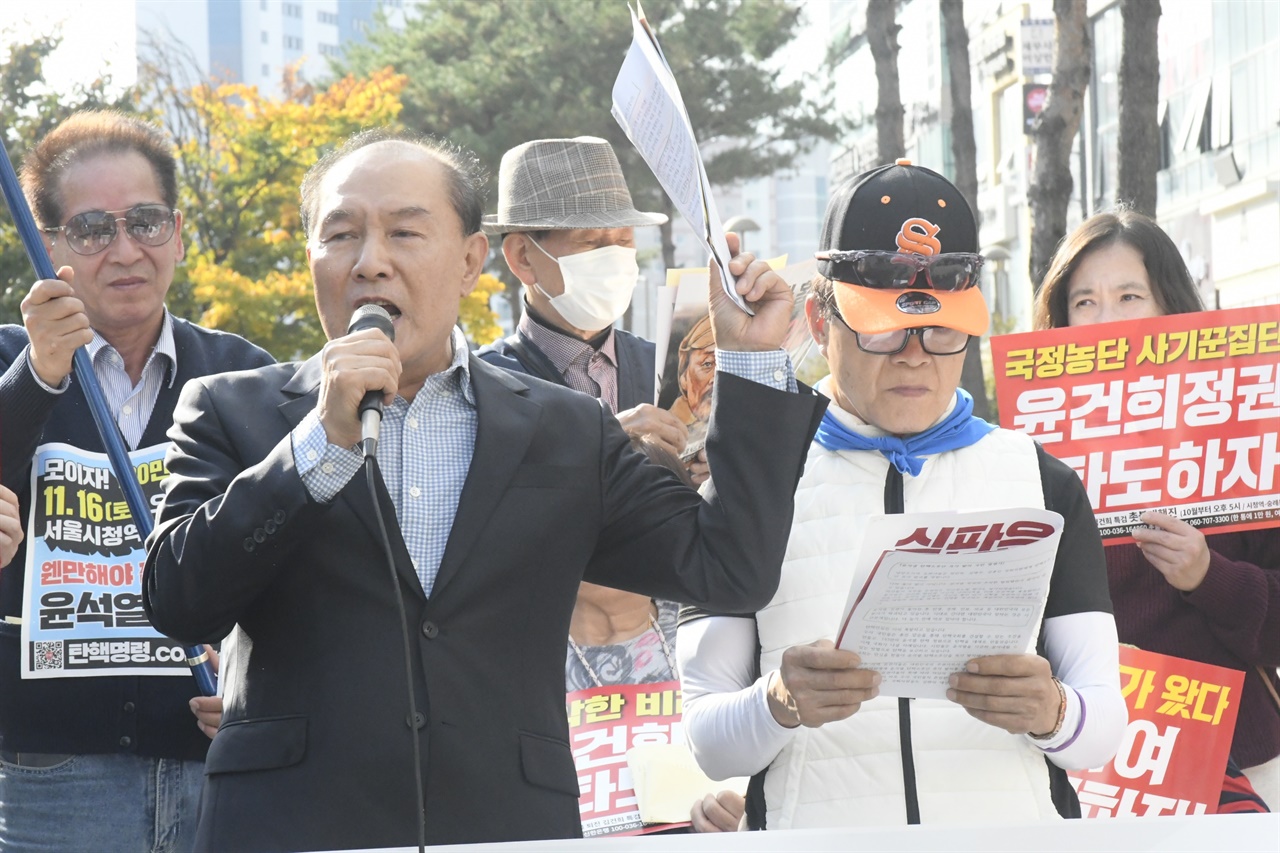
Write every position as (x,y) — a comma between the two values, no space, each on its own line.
(935,340)
(897,271)
(93,231)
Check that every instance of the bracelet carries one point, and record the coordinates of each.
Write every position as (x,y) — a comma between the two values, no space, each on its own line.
(1062,713)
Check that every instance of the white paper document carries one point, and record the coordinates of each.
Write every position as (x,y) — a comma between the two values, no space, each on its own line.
(934,590)
(648,106)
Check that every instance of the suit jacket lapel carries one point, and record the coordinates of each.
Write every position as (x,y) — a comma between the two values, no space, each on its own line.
(636,376)
(506,420)
(302,392)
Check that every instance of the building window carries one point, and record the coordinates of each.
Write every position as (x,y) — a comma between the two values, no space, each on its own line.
(266,69)
(327,17)
(266,37)
(329,50)
(292,10)
(262,4)
(293,42)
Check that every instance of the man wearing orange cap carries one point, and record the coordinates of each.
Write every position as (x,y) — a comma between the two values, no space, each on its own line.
(770,696)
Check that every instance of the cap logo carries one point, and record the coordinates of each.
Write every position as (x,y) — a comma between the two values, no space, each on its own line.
(919,237)
(915,302)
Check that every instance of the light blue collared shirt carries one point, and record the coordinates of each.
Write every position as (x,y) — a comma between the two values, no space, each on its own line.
(425,449)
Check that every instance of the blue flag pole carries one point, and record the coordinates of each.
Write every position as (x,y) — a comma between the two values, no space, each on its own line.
(197,658)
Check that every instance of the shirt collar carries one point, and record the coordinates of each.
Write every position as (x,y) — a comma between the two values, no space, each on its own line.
(164,347)
(563,350)
(459,371)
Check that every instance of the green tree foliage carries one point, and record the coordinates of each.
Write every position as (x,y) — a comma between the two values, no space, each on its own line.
(28,110)
(492,75)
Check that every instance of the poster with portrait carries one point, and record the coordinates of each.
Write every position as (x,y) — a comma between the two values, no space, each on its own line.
(687,367)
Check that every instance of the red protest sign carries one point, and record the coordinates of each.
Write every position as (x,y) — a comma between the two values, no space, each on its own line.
(1179,413)
(1182,714)
(604,722)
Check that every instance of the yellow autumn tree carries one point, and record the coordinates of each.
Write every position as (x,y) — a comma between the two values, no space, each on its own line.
(478,320)
(241,158)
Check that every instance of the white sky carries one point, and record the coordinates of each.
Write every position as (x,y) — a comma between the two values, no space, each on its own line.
(98,36)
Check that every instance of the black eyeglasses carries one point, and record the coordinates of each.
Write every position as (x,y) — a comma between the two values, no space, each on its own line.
(935,340)
(93,231)
(898,271)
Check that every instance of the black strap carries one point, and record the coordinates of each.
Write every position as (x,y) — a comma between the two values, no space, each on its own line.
(533,359)
(895,504)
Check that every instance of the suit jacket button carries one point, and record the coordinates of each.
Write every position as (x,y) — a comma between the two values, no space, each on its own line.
(259,535)
(417,721)
(430,630)
(126,741)
(279,516)
(269,526)
(249,544)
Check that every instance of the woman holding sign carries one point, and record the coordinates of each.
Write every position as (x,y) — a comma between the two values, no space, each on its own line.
(1213,599)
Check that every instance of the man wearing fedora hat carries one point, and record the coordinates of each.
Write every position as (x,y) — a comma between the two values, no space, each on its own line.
(568,223)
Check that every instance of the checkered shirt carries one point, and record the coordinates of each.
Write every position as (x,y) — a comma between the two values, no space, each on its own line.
(424,453)
(131,405)
(584,368)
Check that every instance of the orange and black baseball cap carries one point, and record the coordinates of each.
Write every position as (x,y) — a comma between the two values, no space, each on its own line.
(901,244)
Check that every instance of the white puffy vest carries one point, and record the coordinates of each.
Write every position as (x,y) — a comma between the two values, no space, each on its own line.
(849,773)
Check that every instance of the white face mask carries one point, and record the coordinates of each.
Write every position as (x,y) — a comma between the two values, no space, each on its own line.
(597,286)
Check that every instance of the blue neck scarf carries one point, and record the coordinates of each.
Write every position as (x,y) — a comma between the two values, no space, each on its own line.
(956,430)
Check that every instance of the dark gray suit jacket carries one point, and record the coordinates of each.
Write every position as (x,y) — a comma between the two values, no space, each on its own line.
(315,747)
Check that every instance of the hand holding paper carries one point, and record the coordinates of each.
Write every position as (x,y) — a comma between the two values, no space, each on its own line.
(1175,548)
(818,684)
(1011,692)
(764,291)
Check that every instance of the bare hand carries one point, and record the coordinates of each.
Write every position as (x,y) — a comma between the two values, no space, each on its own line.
(1011,692)
(767,294)
(722,812)
(363,361)
(699,470)
(208,709)
(1176,549)
(10,526)
(56,325)
(818,684)
(659,425)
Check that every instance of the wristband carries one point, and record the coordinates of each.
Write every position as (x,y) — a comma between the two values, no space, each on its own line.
(1062,713)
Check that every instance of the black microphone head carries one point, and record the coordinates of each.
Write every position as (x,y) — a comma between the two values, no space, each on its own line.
(371,316)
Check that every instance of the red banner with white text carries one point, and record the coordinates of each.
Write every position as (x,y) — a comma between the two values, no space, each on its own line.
(1182,714)
(1178,413)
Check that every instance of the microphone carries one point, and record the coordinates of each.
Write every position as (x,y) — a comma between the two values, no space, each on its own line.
(371,316)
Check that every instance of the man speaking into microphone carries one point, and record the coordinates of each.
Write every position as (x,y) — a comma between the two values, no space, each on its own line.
(500,494)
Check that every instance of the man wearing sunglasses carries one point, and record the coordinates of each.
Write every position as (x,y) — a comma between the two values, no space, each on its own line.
(770,696)
(115,760)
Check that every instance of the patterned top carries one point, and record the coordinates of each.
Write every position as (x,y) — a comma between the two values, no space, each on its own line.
(131,405)
(639,660)
(587,366)
(424,453)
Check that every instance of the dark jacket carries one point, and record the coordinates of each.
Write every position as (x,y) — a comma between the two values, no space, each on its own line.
(635,364)
(315,746)
(121,714)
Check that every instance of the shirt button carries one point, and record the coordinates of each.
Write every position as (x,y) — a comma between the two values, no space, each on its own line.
(779,375)
(327,468)
(128,707)
(413,423)
(126,741)
(430,630)
(414,491)
(312,456)
(128,410)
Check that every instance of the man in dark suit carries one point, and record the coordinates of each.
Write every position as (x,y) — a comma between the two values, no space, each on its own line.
(500,493)
(567,225)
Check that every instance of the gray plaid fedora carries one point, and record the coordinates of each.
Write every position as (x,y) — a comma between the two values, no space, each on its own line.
(563,183)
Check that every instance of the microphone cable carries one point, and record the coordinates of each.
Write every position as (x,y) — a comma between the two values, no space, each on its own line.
(370,466)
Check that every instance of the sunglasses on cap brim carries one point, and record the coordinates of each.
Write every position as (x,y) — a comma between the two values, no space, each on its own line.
(898,271)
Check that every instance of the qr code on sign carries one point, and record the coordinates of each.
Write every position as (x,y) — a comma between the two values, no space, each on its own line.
(49,655)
